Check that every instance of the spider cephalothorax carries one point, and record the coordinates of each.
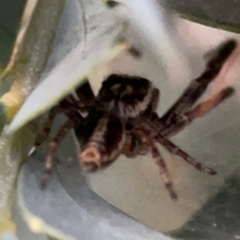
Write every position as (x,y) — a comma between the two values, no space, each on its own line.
(122,119)
(125,95)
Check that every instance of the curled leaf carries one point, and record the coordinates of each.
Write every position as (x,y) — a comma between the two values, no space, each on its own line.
(99,45)
(69,209)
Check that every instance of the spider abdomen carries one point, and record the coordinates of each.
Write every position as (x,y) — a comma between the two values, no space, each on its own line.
(105,141)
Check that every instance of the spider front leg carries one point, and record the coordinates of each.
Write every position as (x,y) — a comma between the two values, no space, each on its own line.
(202,109)
(152,106)
(198,86)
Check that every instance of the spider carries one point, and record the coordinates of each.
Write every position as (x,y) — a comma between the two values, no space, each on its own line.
(122,119)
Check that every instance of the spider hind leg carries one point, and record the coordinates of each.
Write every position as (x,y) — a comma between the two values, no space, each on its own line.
(163,170)
(198,86)
(171,147)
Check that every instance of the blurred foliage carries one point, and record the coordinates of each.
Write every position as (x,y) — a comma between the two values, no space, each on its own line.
(219,14)
(24,73)
(9,23)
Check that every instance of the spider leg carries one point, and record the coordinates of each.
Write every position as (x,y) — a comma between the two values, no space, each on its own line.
(200,110)
(152,107)
(86,97)
(171,147)
(198,86)
(129,147)
(163,170)
(66,107)
(70,105)
(52,149)
(51,116)
(134,146)
(205,107)
(85,100)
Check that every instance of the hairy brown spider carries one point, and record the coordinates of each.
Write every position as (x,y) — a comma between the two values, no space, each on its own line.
(122,119)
